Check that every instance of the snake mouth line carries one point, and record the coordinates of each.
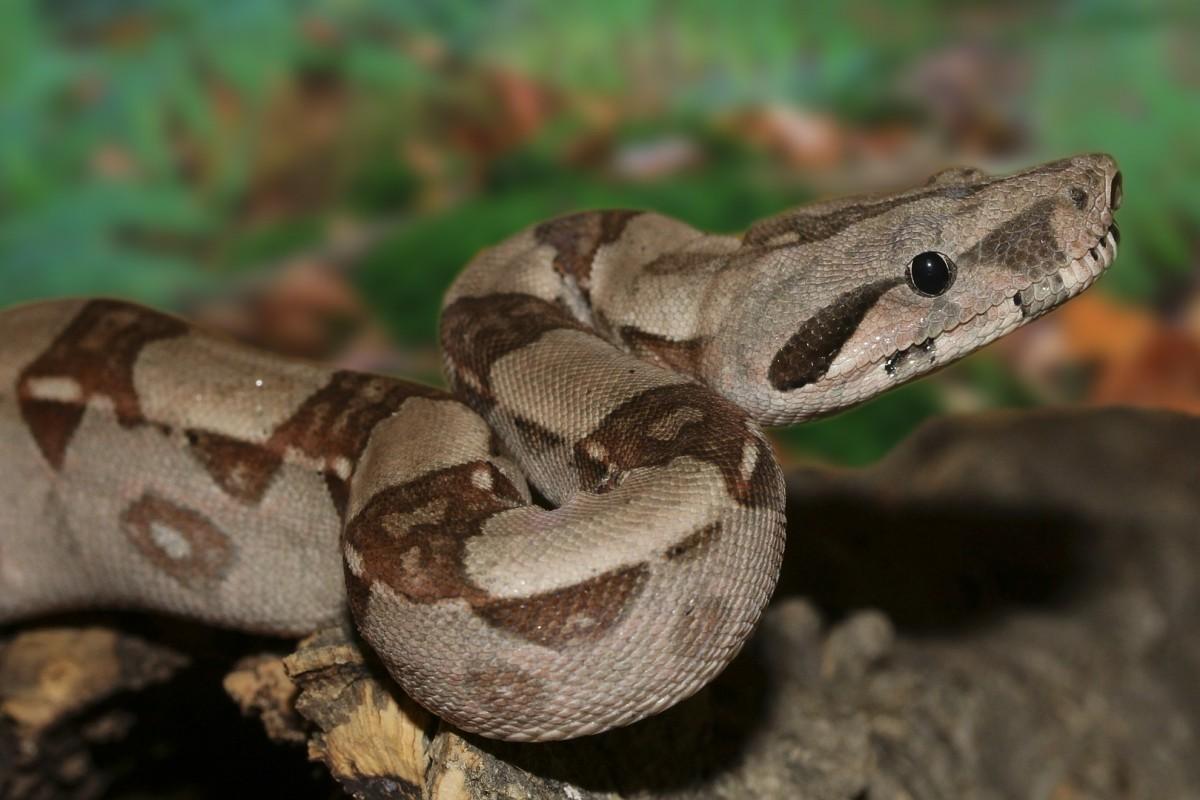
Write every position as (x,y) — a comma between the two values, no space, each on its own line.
(893,362)
(1034,300)
(1066,282)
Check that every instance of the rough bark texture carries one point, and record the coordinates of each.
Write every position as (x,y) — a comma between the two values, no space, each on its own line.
(260,686)
(53,675)
(1005,607)
(369,734)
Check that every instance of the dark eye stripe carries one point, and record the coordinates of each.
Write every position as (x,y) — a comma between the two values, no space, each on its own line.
(808,228)
(807,355)
(1026,237)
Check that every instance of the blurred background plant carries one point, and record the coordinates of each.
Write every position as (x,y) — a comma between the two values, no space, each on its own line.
(311,175)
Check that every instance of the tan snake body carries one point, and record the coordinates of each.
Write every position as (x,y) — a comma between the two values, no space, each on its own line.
(620,362)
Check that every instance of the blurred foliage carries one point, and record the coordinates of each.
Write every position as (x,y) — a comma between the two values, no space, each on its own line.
(163,150)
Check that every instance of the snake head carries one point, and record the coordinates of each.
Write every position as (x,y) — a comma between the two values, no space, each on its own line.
(841,300)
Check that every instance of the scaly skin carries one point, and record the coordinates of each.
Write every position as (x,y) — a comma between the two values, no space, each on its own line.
(621,362)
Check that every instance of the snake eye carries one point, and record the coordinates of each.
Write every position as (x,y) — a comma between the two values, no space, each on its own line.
(930,274)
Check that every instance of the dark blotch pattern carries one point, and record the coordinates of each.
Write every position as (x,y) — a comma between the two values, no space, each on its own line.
(715,431)
(97,350)
(1023,244)
(801,227)
(477,331)
(242,469)
(806,227)
(423,561)
(808,354)
(333,423)
(535,437)
(412,538)
(209,552)
(337,421)
(696,544)
(573,615)
(676,355)
(576,238)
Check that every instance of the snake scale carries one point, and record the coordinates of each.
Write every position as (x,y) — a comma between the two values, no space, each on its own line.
(620,363)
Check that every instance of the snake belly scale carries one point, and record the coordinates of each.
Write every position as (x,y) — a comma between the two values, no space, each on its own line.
(620,363)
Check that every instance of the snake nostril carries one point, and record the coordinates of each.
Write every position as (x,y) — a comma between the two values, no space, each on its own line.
(1116,192)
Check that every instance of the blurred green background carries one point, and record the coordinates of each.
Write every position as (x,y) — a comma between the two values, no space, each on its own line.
(313,174)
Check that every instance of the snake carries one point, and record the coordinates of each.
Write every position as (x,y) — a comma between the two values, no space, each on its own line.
(584,527)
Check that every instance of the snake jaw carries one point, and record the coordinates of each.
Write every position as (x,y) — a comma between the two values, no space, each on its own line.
(1025,305)
(1068,281)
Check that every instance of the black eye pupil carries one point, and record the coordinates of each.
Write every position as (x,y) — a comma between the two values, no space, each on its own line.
(930,274)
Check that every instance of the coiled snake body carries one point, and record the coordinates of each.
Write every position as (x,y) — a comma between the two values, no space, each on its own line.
(619,362)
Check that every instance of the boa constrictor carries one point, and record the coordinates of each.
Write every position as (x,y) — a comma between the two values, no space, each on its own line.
(619,362)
